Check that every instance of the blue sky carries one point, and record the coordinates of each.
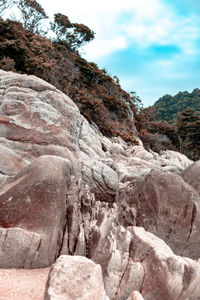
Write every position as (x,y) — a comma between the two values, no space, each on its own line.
(152,46)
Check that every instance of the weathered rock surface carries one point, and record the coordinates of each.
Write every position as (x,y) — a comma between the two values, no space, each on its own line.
(76,278)
(167,206)
(65,189)
(167,276)
(191,175)
(34,200)
(19,248)
(110,247)
(102,179)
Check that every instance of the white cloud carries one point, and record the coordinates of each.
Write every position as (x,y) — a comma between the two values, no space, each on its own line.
(158,24)
(104,47)
(118,24)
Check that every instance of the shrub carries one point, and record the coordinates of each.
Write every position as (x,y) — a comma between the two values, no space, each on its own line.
(7,64)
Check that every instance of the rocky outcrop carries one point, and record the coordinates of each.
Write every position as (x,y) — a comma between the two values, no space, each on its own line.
(167,206)
(65,189)
(110,247)
(75,278)
(166,276)
(32,213)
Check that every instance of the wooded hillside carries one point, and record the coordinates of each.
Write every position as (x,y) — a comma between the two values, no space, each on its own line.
(167,107)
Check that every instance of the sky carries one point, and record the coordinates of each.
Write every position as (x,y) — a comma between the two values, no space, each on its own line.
(152,46)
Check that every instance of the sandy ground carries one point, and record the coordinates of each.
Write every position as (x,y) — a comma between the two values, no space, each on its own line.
(20,284)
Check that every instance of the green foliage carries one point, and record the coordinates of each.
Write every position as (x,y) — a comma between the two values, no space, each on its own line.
(116,79)
(7,64)
(82,35)
(32,15)
(89,71)
(135,101)
(155,134)
(73,34)
(60,26)
(167,107)
(188,128)
(183,110)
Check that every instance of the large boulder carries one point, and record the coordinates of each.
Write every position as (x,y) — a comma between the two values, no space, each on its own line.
(75,277)
(167,206)
(35,119)
(32,213)
(34,111)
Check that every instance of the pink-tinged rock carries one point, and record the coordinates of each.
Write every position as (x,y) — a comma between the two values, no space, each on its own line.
(102,179)
(14,156)
(131,279)
(35,201)
(90,140)
(11,162)
(10,79)
(140,152)
(168,207)
(40,118)
(167,276)
(37,119)
(43,214)
(18,247)
(191,175)
(75,278)
(135,296)
(109,247)
(23,284)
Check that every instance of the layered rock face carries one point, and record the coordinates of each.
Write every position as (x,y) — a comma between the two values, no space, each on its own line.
(100,206)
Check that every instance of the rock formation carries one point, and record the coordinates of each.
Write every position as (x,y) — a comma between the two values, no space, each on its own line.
(75,277)
(67,191)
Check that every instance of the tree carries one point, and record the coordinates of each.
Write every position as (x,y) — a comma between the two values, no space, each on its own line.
(188,129)
(60,26)
(116,79)
(32,14)
(135,101)
(74,35)
(81,35)
(167,107)
(6,4)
